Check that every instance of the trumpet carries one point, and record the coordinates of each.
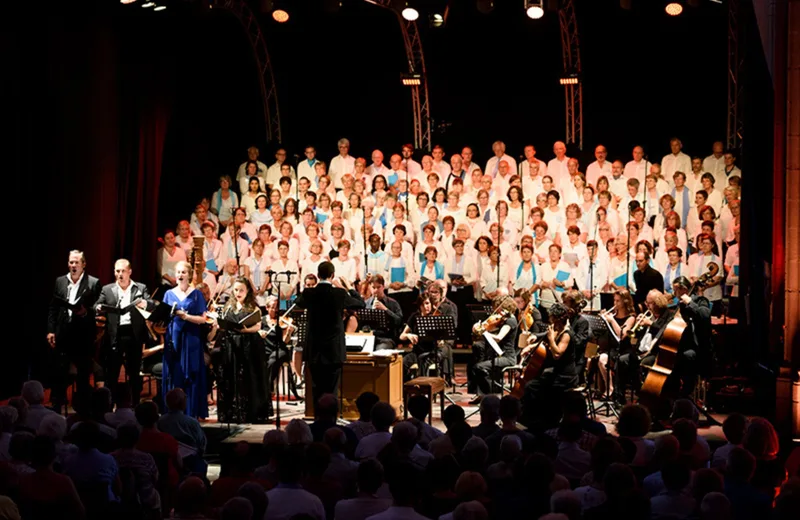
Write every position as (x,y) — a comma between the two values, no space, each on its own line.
(638,325)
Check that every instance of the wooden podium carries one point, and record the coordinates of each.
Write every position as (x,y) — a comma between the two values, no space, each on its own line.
(382,375)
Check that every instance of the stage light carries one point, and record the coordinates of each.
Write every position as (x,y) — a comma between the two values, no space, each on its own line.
(674,8)
(437,20)
(127,1)
(534,9)
(149,4)
(485,6)
(569,79)
(280,16)
(160,8)
(411,79)
(410,14)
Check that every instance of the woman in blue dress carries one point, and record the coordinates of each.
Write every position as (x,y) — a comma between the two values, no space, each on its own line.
(184,366)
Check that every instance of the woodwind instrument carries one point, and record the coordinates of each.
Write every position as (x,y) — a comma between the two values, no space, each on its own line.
(198,259)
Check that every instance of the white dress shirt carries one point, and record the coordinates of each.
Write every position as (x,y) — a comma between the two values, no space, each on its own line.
(595,170)
(716,167)
(443,169)
(123,300)
(618,186)
(672,163)
(72,288)
(340,166)
(637,170)
(697,266)
(558,170)
(732,261)
(493,165)
(592,280)
(309,171)
(274,175)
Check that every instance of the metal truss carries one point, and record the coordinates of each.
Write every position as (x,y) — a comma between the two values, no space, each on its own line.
(266,78)
(571,55)
(420,103)
(735,59)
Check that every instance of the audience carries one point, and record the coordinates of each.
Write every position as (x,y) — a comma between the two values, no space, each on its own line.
(33,394)
(46,493)
(370,478)
(288,499)
(383,416)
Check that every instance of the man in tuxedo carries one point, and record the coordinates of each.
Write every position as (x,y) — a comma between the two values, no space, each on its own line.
(325,351)
(126,330)
(579,328)
(71,327)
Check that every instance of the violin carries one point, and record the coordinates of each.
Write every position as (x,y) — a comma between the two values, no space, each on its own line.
(490,324)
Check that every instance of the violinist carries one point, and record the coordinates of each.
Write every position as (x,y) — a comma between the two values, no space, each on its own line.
(620,318)
(500,328)
(421,348)
(528,315)
(579,328)
(277,350)
(243,390)
(542,397)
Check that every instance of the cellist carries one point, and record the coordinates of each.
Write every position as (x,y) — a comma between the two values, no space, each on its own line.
(488,362)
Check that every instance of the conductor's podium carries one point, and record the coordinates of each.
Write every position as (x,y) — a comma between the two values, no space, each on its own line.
(364,372)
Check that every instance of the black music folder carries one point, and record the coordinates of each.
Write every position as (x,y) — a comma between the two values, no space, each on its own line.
(110,309)
(248,321)
(161,314)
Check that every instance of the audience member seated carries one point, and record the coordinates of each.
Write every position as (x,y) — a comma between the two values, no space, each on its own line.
(8,416)
(55,427)
(573,407)
(163,447)
(502,472)
(405,437)
(747,502)
(572,461)
(288,499)
(254,493)
(366,503)
(95,474)
(383,416)
(510,411)
(490,415)
(623,499)
(340,468)
(138,466)
(237,508)
(443,445)
(45,493)
(761,440)
(20,449)
(567,503)
(442,474)
(274,442)
(328,490)
(123,413)
(99,404)
(418,407)
(473,510)
(734,428)
(33,393)
(298,432)
(475,455)
(633,424)
(700,451)
(363,426)
(186,430)
(674,502)
(705,481)
(470,487)
(404,484)
(190,500)
(234,474)
(667,449)
(326,410)
(605,452)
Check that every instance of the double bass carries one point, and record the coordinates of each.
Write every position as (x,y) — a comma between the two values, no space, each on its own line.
(669,343)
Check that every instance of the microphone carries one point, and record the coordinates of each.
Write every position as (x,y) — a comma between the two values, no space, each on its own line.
(270,272)
(288,272)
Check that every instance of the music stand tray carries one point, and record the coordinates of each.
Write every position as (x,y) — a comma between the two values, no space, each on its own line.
(437,328)
(377,319)
(605,339)
(300,320)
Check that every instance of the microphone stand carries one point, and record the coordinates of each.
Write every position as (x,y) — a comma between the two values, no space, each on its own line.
(366,251)
(297,183)
(408,193)
(628,253)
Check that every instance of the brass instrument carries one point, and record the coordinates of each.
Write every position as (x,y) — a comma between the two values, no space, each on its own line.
(634,330)
(198,259)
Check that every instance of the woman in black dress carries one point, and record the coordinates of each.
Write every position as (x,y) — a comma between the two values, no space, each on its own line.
(620,318)
(541,402)
(420,346)
(243,384)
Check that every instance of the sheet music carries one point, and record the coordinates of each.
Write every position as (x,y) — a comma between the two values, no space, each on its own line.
(493,343)
(611,330)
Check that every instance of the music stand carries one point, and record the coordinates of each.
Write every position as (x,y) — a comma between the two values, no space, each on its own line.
(603,336)
(377,319)
(437,328)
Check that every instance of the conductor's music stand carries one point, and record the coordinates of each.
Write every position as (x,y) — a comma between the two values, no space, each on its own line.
(605,339)
(376,319)
(437,328)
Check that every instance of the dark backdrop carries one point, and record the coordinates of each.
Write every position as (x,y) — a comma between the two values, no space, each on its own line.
(125,117)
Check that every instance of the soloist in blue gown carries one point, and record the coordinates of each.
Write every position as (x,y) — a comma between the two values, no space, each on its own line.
(184,366)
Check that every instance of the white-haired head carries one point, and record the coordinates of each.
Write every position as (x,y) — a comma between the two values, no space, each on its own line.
(298,432)
(53,426)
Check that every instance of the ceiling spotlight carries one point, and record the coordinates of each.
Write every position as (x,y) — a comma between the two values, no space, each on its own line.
(148,4)
(126,1)
(410,14)
(160,8)
(569,79)
(534,9)
(280,16)
(411,79)
(436,20)
(674,8)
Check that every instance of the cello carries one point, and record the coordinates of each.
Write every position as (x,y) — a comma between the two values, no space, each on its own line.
(532,363)
(668,345)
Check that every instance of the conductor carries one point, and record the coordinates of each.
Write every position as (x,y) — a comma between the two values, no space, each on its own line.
(325,347)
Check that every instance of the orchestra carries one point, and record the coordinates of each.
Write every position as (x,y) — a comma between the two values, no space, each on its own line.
(534,253)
